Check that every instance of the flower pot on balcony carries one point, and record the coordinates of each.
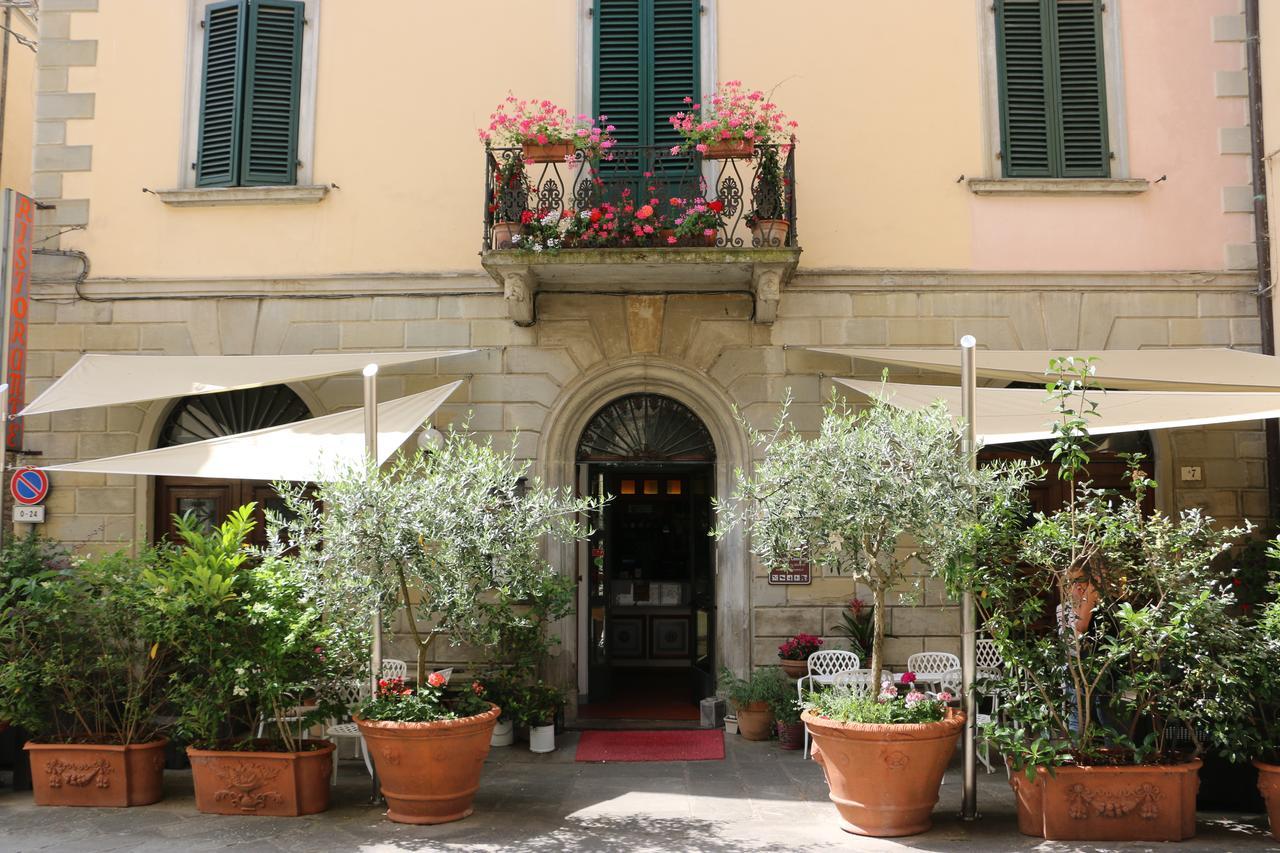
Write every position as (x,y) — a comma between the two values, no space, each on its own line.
(90,774)
(552,152)
(770,233)
(501,233)
(729,149)
(1131,803)
(755,721)
(884,778)
(430,771)
(274,784)
(794,668)
(1269,785)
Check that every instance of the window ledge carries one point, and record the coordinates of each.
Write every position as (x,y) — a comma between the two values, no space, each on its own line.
(1058,186)
(228,196)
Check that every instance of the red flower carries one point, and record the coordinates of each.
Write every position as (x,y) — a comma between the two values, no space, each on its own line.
(435,679)
(595,214)
(716,206)
(526,217)
(477,688)
(908,678)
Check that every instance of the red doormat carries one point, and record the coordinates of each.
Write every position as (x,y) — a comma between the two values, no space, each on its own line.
(698,745)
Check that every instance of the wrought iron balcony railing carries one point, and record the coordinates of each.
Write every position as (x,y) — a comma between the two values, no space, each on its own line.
(639,174)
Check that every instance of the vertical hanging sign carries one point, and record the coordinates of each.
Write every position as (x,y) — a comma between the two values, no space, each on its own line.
(19,222)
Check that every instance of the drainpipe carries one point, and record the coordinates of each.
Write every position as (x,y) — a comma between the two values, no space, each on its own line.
(1262,236)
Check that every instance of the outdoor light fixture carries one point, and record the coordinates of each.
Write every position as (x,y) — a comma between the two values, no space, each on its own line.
(430,440)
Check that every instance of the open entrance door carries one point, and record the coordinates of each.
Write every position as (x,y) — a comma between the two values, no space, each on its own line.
(651,576)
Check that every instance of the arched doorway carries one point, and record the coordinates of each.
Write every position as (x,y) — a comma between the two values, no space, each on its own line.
(207,416)
(651,576)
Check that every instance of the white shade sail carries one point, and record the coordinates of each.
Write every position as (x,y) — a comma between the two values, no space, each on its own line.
(1008,415)
(307,451)
(100,379)
(1148,369)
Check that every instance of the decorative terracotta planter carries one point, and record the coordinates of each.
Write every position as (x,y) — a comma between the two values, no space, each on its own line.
(794,668)
(501,233)
(791,735)
(729,149)
(86,774)
(884,778)
(1269,785)
(275,784)
(1144,803)
(770,233)
(755,721)
(552,152)
(430,771)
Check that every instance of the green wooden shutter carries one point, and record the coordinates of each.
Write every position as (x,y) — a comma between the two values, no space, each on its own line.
(620,66)
(218,148)
(273,71)
(674,67)
(1053,112)
(1081,89)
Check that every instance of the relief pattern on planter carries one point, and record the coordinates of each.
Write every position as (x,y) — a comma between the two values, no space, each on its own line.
(243,779)
(1085,802)
(78,775)
(895,759)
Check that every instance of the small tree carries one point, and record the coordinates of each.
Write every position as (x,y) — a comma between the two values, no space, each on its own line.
(452,539)
(852,498)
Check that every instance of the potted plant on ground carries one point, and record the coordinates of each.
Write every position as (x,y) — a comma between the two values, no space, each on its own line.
(540,704)
(794,653)
(79,672)
(786,715)
(753,698)
(255,665)
(1257,736)
(1116,630)
(730,122)
(849,499)
(452,541)
(857,622)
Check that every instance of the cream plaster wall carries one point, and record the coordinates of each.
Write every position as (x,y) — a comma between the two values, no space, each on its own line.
(19,112)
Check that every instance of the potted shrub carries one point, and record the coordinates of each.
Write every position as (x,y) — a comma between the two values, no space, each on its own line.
(540,704)
(1116,629)
(80,673)
(508,201)
(786,715)
(857,622)
(768,218)
(546,133)
(1259,735)
(497,688)
(912,739)
(850,499)
(794,653)
(753,699)
(730,123)
(453,542)
(255,665)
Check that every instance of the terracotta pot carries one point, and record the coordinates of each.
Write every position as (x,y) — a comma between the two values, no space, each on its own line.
(430,771)
(1269,785)
(500,234)
(791,735)
(794,668)
(1144,803)
(884,778)
(275,784)
(755,721)
(552,152)
(729,149)
(770,233)
(86,774)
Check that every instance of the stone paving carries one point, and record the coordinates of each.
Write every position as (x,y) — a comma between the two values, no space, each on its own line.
(758,798)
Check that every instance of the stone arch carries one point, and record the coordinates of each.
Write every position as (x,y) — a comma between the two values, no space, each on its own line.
(578,402)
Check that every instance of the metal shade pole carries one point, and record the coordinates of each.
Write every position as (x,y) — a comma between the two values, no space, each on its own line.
(968,611)
(370,373)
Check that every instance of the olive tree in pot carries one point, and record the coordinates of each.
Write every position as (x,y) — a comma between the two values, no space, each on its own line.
(452,541)
(80,673)
(1116,630)
(850,499)
(254,666)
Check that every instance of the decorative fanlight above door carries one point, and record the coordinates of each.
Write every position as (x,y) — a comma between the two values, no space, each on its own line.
(646,427)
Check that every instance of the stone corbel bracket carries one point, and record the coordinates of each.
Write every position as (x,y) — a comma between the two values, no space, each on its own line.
(766,286)
(518,290)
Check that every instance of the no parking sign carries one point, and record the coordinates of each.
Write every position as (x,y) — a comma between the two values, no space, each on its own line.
(29,486)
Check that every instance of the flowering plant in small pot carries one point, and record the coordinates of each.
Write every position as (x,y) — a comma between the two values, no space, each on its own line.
(508,201)
(255,666)
(539,704)
(697,221)
(786,715)
(81,674)
(794,653)
(541,232)
(730,122)
(547,133)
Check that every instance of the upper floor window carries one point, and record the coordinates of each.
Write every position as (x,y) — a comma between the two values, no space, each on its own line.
(250,93)
(1052,89)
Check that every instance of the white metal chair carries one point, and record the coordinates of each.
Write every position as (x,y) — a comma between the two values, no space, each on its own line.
(856,681)
(392,668)
(351,693)
(939,670)
(990,667)
(823,668)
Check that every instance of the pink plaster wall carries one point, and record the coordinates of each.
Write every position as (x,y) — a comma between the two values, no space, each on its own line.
(1169,59)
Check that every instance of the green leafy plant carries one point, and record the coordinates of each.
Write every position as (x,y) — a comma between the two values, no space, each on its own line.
(769,186)
(857,624)
(766,684)
(430,702)
(843,706)
(247,642)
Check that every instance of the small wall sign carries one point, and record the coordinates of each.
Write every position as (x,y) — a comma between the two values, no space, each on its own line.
(796,572)
(29,486)
(29,514)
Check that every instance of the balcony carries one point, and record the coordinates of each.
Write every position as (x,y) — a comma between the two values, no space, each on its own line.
(622,250)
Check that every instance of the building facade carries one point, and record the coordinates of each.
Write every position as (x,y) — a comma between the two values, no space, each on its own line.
(1041,174)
